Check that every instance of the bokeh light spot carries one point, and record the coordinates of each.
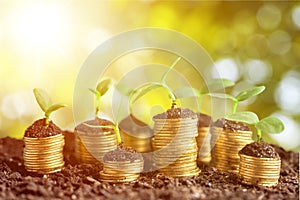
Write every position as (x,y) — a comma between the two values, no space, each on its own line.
(268,16)
(280,42)
(226,68)
(296,16)
(257,71)
(290,137)
(287,95)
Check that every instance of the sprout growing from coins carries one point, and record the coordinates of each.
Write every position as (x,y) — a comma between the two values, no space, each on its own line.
(102,87)
(266,125)
(242,96)
(45,103)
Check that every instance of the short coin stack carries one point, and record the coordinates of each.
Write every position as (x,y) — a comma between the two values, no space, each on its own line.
(225,150)
(44,155)
(175,147)
(136,134)
(123,164)
(259,171)
(121,171)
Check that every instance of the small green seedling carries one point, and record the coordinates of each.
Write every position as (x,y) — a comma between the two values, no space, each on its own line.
(100,90)
(115,127)
(45,103)
(139,92)
(212,86)
(266,125)
(242,96)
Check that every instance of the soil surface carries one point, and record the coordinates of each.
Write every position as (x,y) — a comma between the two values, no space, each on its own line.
(204,120)
(176,113)
(93,129)
(231,125)
(81,181)
(122,153)
(259,150)
(135,127)
(39,129)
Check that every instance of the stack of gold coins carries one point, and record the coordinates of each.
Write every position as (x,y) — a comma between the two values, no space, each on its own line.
(92,147)
(203,143)
(227,145)
(175,147)
(259,171)
(94,139)
(136,134)
(121,171)
(44,155)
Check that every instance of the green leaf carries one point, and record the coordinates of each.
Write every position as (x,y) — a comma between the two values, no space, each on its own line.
(103,86)
(54,108)
(246,94)
(141,91)
(222,96)
(245,117)
(185,92)
(270,125)
(42,98)
(163,79)
(218,84)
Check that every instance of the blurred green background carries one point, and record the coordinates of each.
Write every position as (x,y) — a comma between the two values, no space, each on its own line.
(44,43)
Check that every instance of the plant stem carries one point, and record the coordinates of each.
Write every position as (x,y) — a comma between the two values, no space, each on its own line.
(117,131)
(163,80)
(258,135)
(97,105)
(235,103)
(47,119)
(172,96)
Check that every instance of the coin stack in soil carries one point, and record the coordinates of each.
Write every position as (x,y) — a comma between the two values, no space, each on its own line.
(93,142)
(136,134)
(121,165)
(44,154)
(203,138)
(227,141)
(263,170)
(174,143)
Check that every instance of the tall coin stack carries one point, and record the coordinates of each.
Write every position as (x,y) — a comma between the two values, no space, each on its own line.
(227,145)
(174,143)
(93,142)
(44,155)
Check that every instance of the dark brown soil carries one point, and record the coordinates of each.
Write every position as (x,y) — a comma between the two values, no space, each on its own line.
(93,128)
(122,153)
(134,126)
(259,150)
(231,125)
(176,113)
(81,181)
(39,129)
(204,120)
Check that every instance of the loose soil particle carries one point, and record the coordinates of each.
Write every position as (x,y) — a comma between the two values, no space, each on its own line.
(81,181)
(122,153)
(259,150)
(204,120)
(231,125)
(39,129)
(176,113)
(93,129)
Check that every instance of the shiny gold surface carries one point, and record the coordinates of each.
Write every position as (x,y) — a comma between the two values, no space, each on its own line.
(203,143)
(175,147)
(44,155)
(225,152)
(259,171)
